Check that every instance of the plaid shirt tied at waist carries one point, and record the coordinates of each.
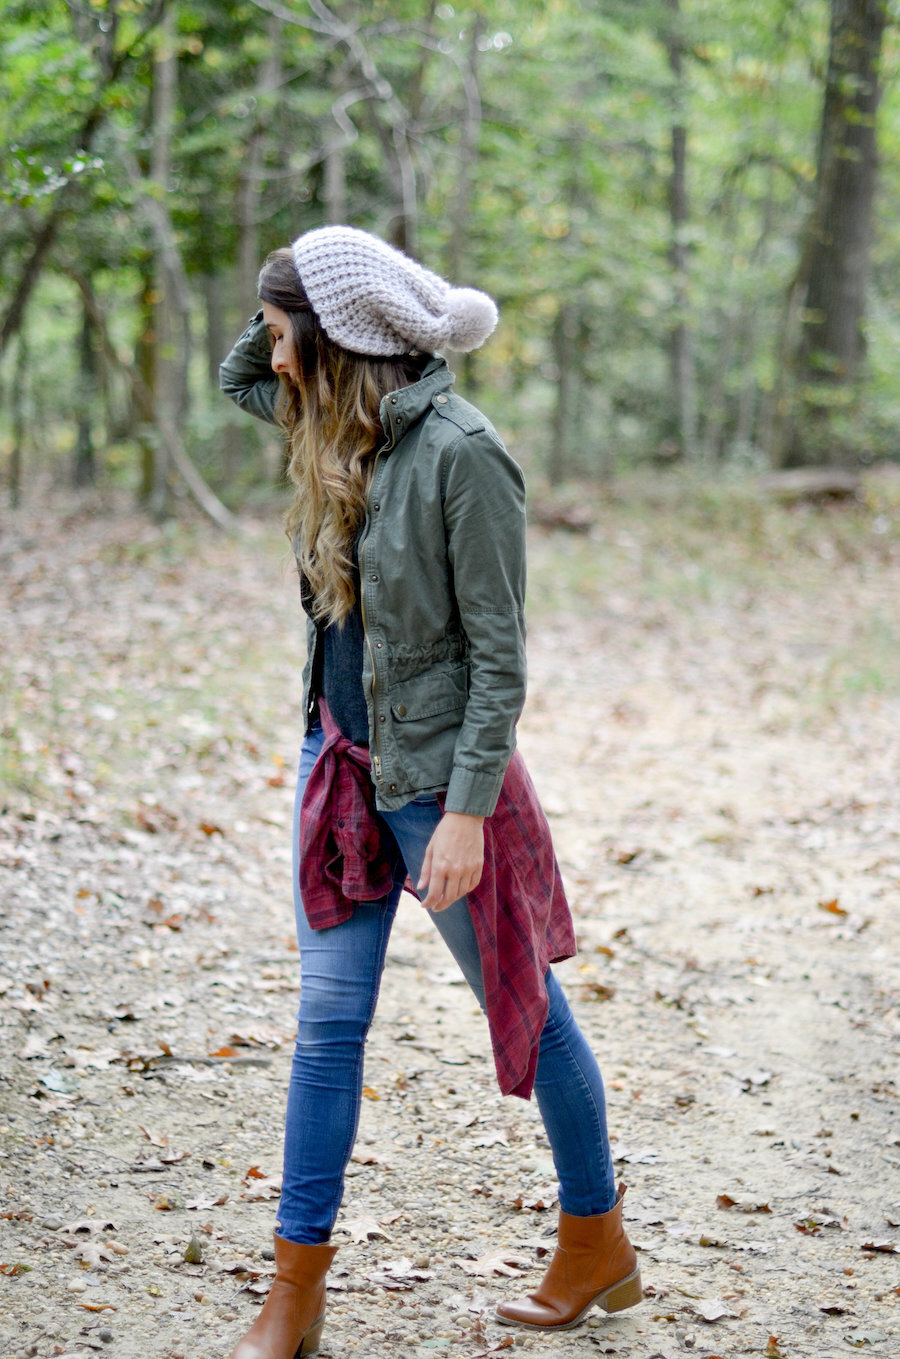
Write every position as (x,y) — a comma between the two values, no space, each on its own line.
(519,909)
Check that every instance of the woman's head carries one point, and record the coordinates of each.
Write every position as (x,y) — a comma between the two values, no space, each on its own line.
(330,411)
(290,319)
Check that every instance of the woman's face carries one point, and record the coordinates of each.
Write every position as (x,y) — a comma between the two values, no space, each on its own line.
(284,357)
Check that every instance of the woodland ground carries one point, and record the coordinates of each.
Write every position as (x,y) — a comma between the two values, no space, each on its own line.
(714,725)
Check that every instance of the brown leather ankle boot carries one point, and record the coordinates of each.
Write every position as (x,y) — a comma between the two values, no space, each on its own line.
(594,1265)
(290,1323)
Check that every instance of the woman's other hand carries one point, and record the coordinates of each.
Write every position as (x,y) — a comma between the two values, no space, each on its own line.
(454,860)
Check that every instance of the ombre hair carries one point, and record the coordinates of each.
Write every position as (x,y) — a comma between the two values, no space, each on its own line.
(333,428)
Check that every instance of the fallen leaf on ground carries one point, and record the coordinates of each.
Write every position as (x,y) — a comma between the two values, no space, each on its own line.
(399,1274)
(157,1138)
(712,1309)
(537,1200)
(167,1203)
(94,1252)
(58,1082)
(751,1080)
(596,991)
(204,1204)
(814,1224)
(859,1338)
(501,1262)
(263,1189)
(170,1157)
(88,1224)
(243,1268)
(364,1229)
(259,1036)
(635,1156)
(491,1139)
(742,1205)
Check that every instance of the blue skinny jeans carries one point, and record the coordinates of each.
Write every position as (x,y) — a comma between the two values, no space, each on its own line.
(340,971)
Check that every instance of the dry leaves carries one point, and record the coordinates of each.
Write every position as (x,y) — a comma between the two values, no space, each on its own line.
(364,1229)
(261,1186)
(504,1263)
(725,1201)
(398,1275)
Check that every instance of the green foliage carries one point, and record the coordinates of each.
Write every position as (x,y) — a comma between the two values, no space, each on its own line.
(538,139)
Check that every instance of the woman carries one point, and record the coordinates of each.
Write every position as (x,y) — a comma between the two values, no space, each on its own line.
(408,528)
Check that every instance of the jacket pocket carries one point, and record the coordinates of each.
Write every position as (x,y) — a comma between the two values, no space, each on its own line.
(427,712)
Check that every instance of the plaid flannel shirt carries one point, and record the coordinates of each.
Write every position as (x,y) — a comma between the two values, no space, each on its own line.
(519,909)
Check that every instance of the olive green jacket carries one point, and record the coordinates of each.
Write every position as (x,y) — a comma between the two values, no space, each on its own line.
(442,573)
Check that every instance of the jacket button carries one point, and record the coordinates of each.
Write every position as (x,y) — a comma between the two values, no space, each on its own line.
(382,718)
(373,577)
(393,787)
(379,645)
(401,709)
(441,399)
(377,505)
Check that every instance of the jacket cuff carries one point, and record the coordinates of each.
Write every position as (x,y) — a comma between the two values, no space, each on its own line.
(255,340)
(472,792)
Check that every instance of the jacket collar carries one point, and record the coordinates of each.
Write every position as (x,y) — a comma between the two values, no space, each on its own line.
(402,409)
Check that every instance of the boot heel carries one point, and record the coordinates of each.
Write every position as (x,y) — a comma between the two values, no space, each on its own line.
(310,1342)
(627,1293)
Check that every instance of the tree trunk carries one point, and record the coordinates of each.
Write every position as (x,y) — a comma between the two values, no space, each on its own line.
(168,364)
(826,346)
(565,334)
(142,416)
(681,356)
(147,407)
(462,202)
(84,467)
(19,422)
(231,437)
(249,184)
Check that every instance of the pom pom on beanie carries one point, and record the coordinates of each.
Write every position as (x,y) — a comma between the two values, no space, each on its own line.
(375,300)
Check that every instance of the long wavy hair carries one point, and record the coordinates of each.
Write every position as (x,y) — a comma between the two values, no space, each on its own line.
(333,429)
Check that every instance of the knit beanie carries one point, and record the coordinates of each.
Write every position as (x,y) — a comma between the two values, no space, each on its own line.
(375,300)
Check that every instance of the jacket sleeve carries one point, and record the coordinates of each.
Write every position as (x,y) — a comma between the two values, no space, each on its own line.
(246,375)
(484,516)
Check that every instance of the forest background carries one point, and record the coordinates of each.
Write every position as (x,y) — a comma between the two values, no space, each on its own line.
(687,212)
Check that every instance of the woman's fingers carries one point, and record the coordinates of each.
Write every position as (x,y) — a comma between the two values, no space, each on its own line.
(454,860)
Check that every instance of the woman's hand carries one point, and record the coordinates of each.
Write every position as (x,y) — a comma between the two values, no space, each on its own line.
(454,860)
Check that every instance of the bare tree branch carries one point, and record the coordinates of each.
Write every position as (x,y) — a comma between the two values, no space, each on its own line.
(329,25)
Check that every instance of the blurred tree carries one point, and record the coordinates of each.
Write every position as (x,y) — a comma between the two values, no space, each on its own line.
(631,181)
(681,349)
(825,337)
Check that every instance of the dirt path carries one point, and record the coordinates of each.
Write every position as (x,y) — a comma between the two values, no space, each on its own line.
(720,764)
